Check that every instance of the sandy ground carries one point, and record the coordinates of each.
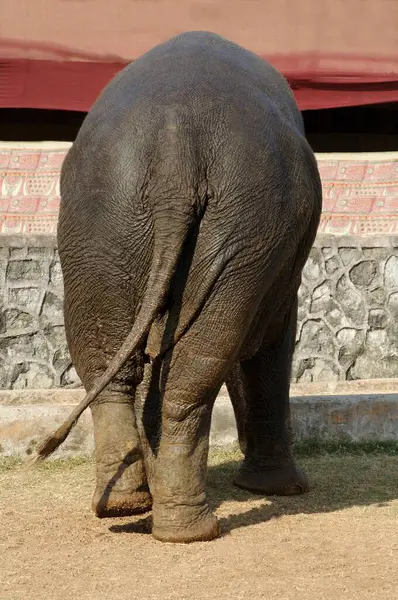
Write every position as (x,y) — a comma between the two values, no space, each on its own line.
(339,541)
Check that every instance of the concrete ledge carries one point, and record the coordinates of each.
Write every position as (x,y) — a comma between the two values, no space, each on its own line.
(356,411)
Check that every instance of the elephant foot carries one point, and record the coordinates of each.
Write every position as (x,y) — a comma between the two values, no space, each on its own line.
(184,527)
(287,480)
(110,503)
(122,490)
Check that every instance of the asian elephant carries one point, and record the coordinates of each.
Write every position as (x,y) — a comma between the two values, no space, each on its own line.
(190,200)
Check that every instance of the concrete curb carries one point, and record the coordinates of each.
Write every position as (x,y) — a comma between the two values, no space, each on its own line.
(358,411)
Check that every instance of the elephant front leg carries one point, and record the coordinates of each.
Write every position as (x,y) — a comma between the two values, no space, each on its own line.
(121,486)
(269,466)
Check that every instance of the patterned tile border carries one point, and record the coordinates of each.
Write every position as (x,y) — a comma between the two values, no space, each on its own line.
(360,191)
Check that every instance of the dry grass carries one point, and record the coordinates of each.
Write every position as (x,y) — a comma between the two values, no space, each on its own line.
(338,541)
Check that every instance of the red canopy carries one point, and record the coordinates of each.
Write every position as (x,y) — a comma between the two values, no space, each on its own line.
(59,54)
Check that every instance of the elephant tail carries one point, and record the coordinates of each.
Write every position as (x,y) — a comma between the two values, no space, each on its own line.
(165,259)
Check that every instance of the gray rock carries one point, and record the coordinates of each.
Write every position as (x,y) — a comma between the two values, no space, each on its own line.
(321,296)
(391,273)
(328,252)
(41,351)
(377,319)
(304,302)
(14,319)
(3,271)
(24,347)
(26,298)
(379,358)
(332,265)
(55,336)
(70,377)
(52,308)
(377,297)
(4,375)
(21,270)
(321,369)
(349,255)
(61,360)
(314,266)
(393,303)
(18,253)
(323,302)
(363,274)
(377,341)
(303,293)
(300,366)
(17,348)
(350,301)
(33,376)
(46,253)
(378,254)
(316,338)
(56,274)
(351,345)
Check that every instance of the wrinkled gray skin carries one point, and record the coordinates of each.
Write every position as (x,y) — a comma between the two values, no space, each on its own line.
(190,201)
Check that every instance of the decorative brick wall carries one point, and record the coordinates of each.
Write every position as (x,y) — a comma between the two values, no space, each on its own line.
(360,191)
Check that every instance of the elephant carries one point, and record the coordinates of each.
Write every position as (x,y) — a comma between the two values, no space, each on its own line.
(190,200)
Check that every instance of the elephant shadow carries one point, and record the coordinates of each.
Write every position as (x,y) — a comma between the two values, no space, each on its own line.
(337,483)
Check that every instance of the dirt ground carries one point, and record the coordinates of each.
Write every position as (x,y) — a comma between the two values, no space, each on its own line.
(339,541)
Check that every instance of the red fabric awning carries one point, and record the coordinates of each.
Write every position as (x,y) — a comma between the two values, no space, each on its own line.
(59,54)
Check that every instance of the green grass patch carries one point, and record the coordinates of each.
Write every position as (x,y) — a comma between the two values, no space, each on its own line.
(9,463)
(316,447)
(312,447)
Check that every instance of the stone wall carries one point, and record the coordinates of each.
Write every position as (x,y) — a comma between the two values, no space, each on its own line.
(33,351)
(348,312)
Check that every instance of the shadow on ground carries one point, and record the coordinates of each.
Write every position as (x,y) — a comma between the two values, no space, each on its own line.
(337,483)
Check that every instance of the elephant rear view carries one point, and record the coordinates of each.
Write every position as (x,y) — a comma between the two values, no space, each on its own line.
(189,203)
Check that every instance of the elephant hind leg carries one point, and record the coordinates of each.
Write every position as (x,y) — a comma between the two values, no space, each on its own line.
(98,316)
(262,386)
(193,372)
